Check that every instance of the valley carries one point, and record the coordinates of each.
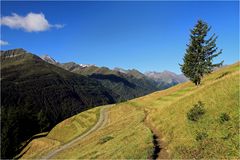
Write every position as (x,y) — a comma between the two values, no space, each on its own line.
(127,132)
(38,93)
(119,80)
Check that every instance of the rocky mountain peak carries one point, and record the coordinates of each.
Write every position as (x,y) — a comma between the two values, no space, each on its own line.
(49,59)
(13,52)
(167,76)
(120,70)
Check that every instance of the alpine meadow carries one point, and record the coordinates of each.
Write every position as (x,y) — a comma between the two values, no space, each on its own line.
(120,80)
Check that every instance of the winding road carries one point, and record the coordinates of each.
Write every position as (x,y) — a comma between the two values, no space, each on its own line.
(100,123)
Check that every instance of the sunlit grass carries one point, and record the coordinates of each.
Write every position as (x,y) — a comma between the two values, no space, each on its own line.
(70,128)
(130,138)
(62,133)
(126,136)
(168,110)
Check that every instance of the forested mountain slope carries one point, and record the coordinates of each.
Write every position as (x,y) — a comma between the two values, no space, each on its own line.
(127,84)
(36,95)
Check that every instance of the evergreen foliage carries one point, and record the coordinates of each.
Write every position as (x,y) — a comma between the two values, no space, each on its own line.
(200,53)
(36,95)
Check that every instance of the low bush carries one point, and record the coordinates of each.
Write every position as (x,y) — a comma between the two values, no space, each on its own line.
(201,136)
(196,112)
(222,75)
(105,139)
(224,117)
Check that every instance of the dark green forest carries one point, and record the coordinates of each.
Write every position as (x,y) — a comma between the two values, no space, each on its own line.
(36,95)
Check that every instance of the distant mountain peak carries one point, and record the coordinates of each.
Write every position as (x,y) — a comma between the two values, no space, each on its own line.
(166,75)
(48,59)
(18,52)
(120,70)
(86,65)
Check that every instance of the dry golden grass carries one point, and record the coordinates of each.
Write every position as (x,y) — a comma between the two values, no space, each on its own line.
(61,133)
(125,136)
(72,127)
(38,147)
(129,137)
(220,94)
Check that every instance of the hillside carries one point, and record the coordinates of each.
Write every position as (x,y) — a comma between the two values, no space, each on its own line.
(36,95)
(163,117)
(127,84)
(210,136)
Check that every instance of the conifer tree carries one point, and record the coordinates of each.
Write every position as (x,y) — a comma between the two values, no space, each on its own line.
(199,54)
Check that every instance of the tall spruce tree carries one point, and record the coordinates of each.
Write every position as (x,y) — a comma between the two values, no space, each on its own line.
(200,53)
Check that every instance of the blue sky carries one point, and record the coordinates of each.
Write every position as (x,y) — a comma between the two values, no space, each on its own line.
(141,35)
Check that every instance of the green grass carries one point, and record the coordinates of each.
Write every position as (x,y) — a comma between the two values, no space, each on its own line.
(62,133)
(219,95)
(72,127)
(125,135)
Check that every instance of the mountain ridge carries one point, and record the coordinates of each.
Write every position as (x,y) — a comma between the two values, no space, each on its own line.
(127,84)
(166,77)
(158,76)
(40,92)
(35,95)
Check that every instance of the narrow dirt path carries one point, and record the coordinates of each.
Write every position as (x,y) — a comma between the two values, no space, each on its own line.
(159,147)
(100,123)
(156,149)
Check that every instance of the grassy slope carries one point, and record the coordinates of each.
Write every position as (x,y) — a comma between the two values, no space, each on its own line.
(61,133)
(124,129)
(126,85)
(130,138)
(167,110)
(220,94)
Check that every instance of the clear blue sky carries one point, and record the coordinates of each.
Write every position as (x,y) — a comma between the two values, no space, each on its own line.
(142,35)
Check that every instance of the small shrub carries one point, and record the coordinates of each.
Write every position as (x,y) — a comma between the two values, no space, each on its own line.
(105,139)
(222,75)
(224,117)
(201,136)
(227,136)
(196,112)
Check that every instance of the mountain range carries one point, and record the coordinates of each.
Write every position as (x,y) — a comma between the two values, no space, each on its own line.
(166,78)
(37,93)
(159,80)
